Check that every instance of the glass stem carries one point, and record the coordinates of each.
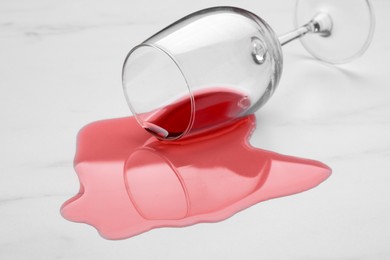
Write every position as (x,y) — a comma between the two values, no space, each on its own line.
(321,24)
(295,34)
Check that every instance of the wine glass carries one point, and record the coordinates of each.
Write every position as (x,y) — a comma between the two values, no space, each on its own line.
(219,64)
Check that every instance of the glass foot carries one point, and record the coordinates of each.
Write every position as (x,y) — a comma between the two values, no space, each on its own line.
(352,25)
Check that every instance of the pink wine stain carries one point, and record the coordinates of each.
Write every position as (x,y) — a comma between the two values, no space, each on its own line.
(130,182)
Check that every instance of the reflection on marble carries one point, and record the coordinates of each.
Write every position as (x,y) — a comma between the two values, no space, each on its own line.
(60,64)
(131,182)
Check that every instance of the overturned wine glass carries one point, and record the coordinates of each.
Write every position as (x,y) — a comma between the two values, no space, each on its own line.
(222,63)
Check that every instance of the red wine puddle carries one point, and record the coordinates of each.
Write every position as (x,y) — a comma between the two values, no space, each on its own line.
(131,183)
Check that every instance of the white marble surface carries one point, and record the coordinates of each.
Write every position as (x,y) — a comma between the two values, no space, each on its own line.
(60,65)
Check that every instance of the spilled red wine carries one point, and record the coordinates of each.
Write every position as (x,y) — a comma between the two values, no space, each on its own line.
(130,182)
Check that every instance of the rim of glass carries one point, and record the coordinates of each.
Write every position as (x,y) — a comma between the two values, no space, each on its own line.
(357,54)
(133,110)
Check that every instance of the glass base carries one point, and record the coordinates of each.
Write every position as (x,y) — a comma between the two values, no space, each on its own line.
(352,28)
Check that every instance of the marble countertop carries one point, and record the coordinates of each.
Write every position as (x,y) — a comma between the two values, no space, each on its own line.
(60,69)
